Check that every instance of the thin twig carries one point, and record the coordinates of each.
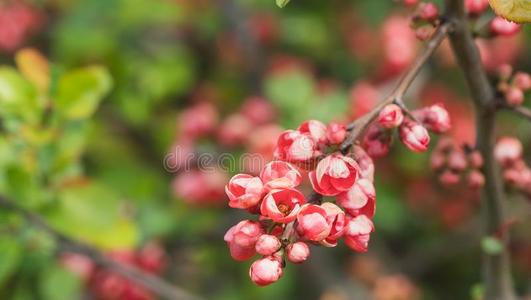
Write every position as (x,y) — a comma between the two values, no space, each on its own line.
(358,126)
(523,112)
(66,244)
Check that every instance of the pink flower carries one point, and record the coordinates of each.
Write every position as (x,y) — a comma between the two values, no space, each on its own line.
(414,136)
(282,205)
(336,133)
(334,174)
(360,199)
(522,81)
(242,238)
(435,118)
(365,162)
(428,11)
(475,179)
(294,146)
(476,7)
(508,150)
(198,120)
(234,130)
(200,188)
(298,252)
(312,223)
(265,271)
(335,216)
(514,96)
(449,177)
(500,26)
(244,191)
(457,160)
(279,174)
(267,244)
(376,141)
(259,111)
(315,129)
(390,116)
(357,233)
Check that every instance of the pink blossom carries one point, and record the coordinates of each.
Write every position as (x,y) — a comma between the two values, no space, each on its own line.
(265,271)
(457,160)
(365,162)
(475,179)
(315,129)
(294,146)
(434,118)
(376,141)
(267,244)
(298,252)
(390,116)
(282,205)
(242,238)
(449,177)
(357,233)
(428,11)
(244,191)
(234,130)
(508,150)
(279,174)
(258,110)
(476,7)
(312,223)
(360,199)
(200,188)
(514,96)
(336,133)
(414,136)
(337,220)
(522,81)
(334,174)
(503,27)
(198,120)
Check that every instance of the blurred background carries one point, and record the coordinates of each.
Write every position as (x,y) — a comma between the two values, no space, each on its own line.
(107,100)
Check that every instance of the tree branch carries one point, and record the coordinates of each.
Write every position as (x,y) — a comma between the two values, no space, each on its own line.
(523,112)
(358,126)
(66,244)
(497,280)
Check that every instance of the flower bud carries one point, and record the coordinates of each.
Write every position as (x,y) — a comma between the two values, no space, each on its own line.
(334,174)
(476,7)
(312,223)
(360,199)
(437,160)
(279,174)
(508,150)
(259,111)
(475,179)
(522,81)
(336,133)
(315,129)
(514,96)
(475,159)
(265,271)
(234,130)
(449,177)
(357,233)
(293,146)
(457,160)
(390,116)
(267,244)
(414,136)
(434,118)
(298,252)
(244,191)
(376,141)
(428,11)
(242,238)
(503,27)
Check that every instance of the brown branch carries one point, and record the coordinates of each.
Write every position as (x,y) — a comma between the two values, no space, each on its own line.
(358,126)
(497,280)
(523,112)
(66,244)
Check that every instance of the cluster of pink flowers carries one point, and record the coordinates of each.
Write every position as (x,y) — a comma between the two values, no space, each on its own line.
(107,285)
(287,220)
(513,86)
(517,174)
(454,164)
(413,132)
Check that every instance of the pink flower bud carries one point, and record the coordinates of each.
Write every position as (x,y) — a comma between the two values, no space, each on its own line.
(437,160)
(449,177)
(279,174)
(476,7)
(428,11)
(475,179)
(457,160)
(312,224)
(434,118)
(265,271)
(411,2)
(242,238)
(475,159)
(234,130)
(508,150)
(334,174)
(376,141)
(414,136)
(365,163)
(244,191)
(198,120)
(200,188)
(514,96)
(294,146)
(337,220)
(336,133)
(152,258)
(503,27)
(267,244)
(298,252)
(505,71)
(315,129)
(259,111)
(522,81)
(283,205)
(360,199)
(357,233)
(390,116)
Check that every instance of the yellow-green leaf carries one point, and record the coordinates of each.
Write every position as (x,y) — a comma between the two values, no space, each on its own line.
(18,97)
(513,10)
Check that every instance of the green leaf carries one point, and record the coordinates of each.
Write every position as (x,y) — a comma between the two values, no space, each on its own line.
(18,98)
(58,283)
(282,3)
(9,257)
(79,92)
(477,292)
(492,245)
